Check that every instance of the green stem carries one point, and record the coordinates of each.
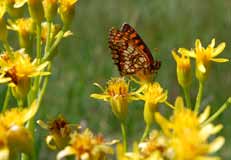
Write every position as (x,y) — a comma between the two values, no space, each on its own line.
(146,131)
(123,130)
(42,91)
(38,42)
(7,47)
(187,96)
(48,40)
(199,97)
(169,105)
(6,100)
(20,102)
(219,111)
(51,52)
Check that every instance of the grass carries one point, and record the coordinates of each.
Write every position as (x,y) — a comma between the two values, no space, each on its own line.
(164,24)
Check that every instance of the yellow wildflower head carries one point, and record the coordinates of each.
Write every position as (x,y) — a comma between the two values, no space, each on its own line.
(3,29)
(187,135)
(17,116)
(117,93)
(17,71)
(25,28)
(86,146)
(184,74)
(152,94)
(204,56)
(13,135)
(67,11)
(156,142)
(50,9)
(138,153)
(59,130)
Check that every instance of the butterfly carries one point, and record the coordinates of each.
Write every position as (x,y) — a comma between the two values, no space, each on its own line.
(130,53)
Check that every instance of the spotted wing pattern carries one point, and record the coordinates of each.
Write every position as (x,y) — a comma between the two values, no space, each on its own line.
(130,53)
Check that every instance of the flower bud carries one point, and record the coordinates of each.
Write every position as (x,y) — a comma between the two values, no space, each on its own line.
(21,89)
(67,11)
(50,9)
(19,139)
(36,10)
(118,89)
(184,73)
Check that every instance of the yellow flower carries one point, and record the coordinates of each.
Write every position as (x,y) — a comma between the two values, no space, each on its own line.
(187,135)
(59,132)
(18,69)
(25,28)
(184,74)
(137,154)
(67,11)
(118,95)
(152,94)
(86,146)
(13,135)
(156,142)
(203,57)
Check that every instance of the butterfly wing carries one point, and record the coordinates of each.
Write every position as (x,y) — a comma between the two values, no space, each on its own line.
(130,53)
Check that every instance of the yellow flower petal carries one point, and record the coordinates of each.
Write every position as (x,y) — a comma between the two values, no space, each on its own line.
(212,44)
(67,151)
(175,56)
(218,49)
(219,60)
(203,116)
(50,142)
(100,96)
(179,103)
(198,45)
(31,111)
(42,124)
(186,52)
(216,144)
(4,80)
(201,67)
(165,125)
(207,158)
(4,153)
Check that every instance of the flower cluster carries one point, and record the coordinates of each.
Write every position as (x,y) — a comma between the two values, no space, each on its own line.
(25,68)
(187,135)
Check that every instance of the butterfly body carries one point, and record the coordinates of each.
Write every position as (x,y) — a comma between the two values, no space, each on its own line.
(130,53)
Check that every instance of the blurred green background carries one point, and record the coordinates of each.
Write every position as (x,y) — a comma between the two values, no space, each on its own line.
(164,24)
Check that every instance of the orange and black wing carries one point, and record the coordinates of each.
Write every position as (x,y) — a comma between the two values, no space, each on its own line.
(130,53)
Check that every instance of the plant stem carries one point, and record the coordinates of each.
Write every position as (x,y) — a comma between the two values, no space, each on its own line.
(123,130)
(169,105)
(187,96)
(199,97)
(6,100)
(50,53)
(38,42)
(219,111)
(146,131)
(35,90)
(48,40)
